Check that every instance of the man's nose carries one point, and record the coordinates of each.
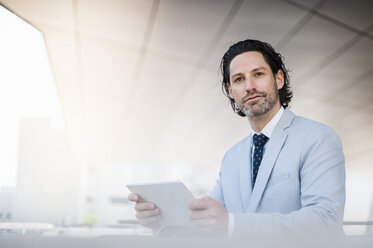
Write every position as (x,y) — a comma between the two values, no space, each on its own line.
(250,84)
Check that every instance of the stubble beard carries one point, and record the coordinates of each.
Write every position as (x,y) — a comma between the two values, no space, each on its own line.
(260,108)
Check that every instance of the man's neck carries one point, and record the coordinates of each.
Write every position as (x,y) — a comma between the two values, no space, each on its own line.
(259,122)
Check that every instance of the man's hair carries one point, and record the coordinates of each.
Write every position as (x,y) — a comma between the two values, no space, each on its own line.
(273,59)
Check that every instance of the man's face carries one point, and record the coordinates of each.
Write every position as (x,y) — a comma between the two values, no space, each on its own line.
(253,85)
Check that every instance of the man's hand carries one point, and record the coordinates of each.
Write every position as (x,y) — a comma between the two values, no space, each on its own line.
(210,216)
(147,213)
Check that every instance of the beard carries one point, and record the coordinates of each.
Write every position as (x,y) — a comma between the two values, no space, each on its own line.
(260,107)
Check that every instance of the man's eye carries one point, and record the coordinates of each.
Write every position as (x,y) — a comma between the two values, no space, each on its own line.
(239,79)
(258,74)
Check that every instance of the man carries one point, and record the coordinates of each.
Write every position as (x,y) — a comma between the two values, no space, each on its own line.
(287,176)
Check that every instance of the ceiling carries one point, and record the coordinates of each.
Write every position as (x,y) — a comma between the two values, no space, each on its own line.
(138,81)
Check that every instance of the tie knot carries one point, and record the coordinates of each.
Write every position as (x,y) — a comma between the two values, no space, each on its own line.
(259,140)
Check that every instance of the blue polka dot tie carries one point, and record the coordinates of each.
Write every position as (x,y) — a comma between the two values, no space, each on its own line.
(259,141)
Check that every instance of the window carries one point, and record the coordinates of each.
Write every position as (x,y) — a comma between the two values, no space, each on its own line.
(27,88)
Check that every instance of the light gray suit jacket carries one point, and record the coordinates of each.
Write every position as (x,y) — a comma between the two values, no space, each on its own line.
(300,187)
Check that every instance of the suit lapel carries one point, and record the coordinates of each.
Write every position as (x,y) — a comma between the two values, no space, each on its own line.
(271,153)
(245,178)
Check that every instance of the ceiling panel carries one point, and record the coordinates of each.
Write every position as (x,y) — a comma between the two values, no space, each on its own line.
(357,13)
(362,161)
(304,100)
(202,98)
(185,28)
(339,75)
(348,121)
(360,94)
(369,106)
(358,141)
(328,113)
(116,20)
(158,85)
(311,45)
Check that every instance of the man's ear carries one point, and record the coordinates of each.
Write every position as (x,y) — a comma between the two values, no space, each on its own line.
(230,90)
(279,77)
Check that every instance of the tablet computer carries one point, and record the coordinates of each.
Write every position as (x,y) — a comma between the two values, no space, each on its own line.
(172,198)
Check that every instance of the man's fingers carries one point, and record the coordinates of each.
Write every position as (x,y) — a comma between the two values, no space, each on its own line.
(199,214)
(199,204)
(150,221)
(147,213)
(143,206)
(134,197)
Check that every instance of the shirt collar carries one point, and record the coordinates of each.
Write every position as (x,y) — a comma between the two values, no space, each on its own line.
(268,129)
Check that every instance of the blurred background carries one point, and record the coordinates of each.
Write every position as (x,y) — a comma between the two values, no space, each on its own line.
(95,95)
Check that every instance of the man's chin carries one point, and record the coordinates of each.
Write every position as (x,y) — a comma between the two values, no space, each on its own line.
(255,112)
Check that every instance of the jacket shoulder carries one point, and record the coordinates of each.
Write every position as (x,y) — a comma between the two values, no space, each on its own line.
(307,126)
(237,149)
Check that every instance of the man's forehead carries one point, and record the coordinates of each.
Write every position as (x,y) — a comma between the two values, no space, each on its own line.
(247,61)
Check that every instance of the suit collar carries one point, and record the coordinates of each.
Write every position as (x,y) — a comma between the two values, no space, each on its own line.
(272,151)
(286,119)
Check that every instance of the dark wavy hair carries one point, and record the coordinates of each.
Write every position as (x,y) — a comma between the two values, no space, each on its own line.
(273,59)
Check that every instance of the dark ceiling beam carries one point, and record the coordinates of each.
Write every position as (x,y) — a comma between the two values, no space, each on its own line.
(78,54)
(131,93)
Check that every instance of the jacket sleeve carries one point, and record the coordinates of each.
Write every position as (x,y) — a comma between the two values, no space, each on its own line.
(217,192)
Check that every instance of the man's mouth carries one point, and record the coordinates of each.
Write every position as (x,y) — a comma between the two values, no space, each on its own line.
(252,98)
